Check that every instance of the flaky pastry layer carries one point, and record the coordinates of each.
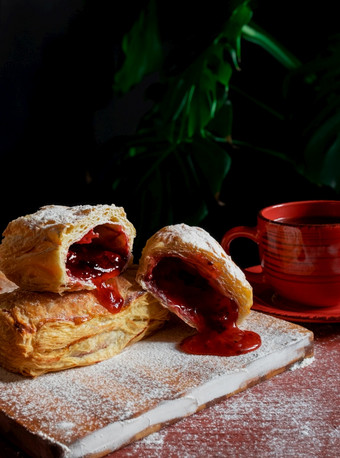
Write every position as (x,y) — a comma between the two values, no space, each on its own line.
(6,285)
(43,332)
(33,252)
(196,247)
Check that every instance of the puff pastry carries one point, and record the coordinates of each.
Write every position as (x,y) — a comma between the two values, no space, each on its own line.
(188,271)
(62,248)
(6,285)
(42,332)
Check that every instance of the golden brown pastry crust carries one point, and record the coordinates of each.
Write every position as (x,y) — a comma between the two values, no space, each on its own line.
(6,285)
(43,332)
(195,246)
(34,249)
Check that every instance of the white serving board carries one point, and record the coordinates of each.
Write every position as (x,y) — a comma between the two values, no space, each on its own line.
(92,411)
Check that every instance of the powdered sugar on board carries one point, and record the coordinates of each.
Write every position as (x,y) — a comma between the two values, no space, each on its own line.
(97,409)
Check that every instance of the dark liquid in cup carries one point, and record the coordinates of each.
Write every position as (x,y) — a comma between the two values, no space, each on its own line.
(310,220)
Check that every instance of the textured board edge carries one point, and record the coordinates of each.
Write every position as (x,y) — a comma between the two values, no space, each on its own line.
(117,435)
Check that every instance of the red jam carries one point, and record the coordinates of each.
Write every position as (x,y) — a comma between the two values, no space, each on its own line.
(98,258)
(108,295)
(214,315)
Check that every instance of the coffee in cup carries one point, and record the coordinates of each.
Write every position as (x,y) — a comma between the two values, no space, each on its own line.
(299,249)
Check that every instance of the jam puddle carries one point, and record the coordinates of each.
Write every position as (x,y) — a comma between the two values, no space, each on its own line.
(227,343)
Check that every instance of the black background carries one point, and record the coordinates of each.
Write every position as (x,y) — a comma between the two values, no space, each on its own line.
(57,64)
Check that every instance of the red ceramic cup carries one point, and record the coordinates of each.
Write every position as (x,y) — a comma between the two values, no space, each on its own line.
(299,247)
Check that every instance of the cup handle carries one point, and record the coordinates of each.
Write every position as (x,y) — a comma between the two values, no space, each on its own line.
(245,232)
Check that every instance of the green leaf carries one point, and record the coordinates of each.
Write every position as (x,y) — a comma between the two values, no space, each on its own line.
(202,104)
(175,162)
(143,50)
(255,35)
(321,114)
(213,161)
(188,188)
(322,153)
(221,125)
(233,30)
(224,73)
(220,69)
(191,102)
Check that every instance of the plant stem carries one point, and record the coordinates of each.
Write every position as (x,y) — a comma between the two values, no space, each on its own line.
(258,102)
(260,149)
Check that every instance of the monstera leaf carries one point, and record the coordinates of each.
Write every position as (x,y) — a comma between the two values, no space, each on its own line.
(142,49)
(174,158)
(173,167)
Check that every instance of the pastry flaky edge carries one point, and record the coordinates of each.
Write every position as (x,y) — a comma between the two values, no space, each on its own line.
(44,332)
(34,248)
(195,245)
(6,285)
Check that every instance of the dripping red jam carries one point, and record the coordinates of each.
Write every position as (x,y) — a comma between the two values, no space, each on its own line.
(198,303)
(100,256)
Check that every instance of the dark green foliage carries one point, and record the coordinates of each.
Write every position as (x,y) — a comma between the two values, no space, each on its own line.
(178,159)
(313,91)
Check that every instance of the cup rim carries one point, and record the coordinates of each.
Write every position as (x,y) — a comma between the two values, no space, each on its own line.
(295,203)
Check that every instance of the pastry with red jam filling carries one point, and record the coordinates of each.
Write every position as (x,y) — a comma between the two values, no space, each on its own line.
(62,248)
(188,271)
(45,332)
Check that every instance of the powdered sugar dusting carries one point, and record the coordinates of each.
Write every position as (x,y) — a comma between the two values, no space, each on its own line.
(199,238)
(188,242)
(59,214)
(302,364)
(287,417)
(144,381)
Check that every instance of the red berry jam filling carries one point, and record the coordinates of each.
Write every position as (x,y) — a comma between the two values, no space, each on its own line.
(99,257)
(197,302)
